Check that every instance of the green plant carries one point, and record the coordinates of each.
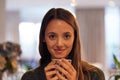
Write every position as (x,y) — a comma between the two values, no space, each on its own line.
(116,61)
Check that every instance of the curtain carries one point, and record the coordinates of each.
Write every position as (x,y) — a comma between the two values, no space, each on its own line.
(92,33)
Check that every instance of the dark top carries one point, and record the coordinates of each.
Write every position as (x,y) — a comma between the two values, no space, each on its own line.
(38,73)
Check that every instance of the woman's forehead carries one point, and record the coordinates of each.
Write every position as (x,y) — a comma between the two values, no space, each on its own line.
(58,24)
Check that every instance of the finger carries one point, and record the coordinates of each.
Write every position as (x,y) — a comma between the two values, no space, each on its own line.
(50,74)
(62,71)
(66,65)
(60,76)
(49,67)
(54,78)
(50,70)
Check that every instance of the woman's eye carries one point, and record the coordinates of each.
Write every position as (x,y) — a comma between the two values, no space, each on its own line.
(67,36)
(52,37)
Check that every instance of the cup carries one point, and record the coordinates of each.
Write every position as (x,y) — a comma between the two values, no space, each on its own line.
(56,62)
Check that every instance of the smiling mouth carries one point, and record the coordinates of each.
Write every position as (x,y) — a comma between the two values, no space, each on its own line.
(59,50)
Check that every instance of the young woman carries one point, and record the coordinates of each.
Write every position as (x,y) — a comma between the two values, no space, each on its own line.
(60,41)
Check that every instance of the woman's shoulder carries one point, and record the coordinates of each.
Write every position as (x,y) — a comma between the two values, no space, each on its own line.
(29,75)
(96,73)
(33,74)
(93,72)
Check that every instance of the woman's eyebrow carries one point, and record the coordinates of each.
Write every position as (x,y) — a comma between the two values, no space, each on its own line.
(67,32)
(51,33)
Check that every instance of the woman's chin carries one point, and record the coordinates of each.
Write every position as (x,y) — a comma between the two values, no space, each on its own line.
(58,57)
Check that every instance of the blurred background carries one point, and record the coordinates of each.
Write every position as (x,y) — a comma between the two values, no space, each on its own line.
(99,22)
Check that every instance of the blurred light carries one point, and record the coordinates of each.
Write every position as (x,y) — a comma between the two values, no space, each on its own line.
(29,39)
(73,3)
(111,3)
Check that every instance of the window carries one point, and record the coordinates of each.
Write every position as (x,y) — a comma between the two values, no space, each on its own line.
(112,31)
(29,39)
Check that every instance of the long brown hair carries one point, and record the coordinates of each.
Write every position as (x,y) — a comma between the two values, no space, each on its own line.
(75,54)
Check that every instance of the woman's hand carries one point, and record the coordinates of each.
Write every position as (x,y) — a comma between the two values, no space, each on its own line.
(50,71)
(65,70)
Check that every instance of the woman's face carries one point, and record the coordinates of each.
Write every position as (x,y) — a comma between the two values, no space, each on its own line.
(59,38)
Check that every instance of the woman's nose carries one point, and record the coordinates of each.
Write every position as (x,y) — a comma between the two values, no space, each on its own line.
(59,42)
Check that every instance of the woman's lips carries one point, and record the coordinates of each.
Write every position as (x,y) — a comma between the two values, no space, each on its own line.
(59,50)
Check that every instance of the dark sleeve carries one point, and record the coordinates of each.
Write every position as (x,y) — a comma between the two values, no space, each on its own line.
(35,74)
(97,74)
(28,76)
